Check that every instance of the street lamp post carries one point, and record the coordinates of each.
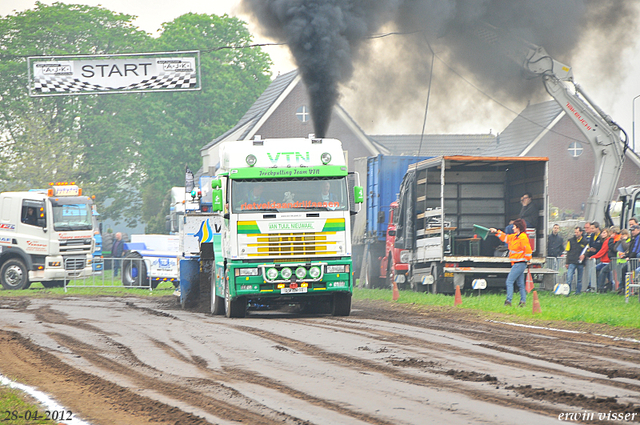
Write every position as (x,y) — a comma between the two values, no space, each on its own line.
(633,120)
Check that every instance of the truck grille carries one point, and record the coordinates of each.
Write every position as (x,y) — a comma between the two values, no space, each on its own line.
(74,263)
(321,238)
(290,244)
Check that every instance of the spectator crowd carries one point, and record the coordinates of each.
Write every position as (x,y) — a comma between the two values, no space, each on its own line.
(598,258)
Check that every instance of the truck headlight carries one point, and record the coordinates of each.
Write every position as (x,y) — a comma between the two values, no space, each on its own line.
(405,256)
(286,273)
(314,272)
(249,272)
(272,274)
(301,272)
(337,268)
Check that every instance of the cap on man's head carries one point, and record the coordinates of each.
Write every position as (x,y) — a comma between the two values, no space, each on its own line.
(635,227)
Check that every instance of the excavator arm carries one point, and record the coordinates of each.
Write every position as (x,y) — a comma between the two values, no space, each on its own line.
(598,128)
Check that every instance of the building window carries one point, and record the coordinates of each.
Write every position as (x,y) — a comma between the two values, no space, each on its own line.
(302,113)
(575,149)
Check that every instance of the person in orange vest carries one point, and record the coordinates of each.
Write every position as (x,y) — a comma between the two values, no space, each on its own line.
(520,255)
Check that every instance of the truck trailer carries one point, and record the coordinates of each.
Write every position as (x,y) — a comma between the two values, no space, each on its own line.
(383,174)
(442,198)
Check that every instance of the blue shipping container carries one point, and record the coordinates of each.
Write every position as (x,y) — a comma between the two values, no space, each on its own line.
(384,175)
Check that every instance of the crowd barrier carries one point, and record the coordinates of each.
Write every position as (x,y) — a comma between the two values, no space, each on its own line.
(131,273)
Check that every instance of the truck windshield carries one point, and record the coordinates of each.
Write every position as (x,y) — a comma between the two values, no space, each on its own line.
(289,195)
(72,213)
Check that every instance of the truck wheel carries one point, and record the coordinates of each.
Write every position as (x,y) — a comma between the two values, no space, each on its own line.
(14,275)
(390,273)
(53,284)
(217,303)
(234,308)
(134,270)
(371,273)
(435,272)
(341,304)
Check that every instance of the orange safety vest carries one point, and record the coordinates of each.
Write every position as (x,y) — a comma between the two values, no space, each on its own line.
(519,247)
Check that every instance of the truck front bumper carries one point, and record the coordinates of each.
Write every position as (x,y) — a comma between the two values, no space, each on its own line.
(335,276)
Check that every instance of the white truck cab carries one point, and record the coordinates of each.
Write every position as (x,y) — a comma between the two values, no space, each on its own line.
(46,235)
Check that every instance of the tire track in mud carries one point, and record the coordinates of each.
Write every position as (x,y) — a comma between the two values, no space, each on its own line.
(243,409)
(384,336)
(526,346)
(582,346)
(393,373)
(88,396)
(241,375)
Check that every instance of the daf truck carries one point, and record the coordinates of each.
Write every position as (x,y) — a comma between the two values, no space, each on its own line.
(45,236)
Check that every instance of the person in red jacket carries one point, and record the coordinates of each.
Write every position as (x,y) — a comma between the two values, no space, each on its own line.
(520,255)
(603,256)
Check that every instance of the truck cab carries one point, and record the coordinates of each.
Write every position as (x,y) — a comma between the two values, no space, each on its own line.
(45,236)
(280,233)
(393,265)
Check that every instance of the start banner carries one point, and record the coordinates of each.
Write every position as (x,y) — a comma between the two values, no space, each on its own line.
(101,74)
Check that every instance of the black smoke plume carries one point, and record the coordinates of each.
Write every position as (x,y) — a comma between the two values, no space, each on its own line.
(329,39)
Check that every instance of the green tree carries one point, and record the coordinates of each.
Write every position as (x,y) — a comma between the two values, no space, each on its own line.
(233,76)
(127,149)
(42,137)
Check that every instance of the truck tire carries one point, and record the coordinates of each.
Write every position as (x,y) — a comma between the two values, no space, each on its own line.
(53,284)
(14,275)
(341,304)
(217,303)
(134,271)
(234,308)
(370,278)
(390,275)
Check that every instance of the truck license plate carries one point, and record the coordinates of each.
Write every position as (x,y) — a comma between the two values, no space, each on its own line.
(298,290)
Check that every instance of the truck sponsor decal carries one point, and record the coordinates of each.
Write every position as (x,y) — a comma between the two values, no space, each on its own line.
(5,240)
(277,173)
(67,236)
(298,157)
(36,246)
(291,225)
(5,226)
(306,226)
(205,234)
(289,205)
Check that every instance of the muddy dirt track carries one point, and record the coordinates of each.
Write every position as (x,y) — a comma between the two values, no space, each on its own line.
(144,360)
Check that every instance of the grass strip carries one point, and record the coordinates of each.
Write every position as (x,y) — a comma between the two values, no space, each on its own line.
(608,309)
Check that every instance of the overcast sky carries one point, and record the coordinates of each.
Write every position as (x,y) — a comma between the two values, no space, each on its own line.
(616,100)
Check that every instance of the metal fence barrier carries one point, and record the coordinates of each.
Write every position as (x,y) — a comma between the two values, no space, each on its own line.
(557,264)
(632,279)
(115,272)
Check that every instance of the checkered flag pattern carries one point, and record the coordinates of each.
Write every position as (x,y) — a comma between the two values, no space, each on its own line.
(63,84)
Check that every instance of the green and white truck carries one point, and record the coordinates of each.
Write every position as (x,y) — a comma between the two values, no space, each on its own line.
(279,230)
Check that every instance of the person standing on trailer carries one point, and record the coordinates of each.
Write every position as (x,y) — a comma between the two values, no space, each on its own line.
(519,254)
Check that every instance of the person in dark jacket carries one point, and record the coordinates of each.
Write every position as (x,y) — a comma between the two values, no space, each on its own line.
(117,249)
(634,249)
(555,243)
(575,254)
(529,213)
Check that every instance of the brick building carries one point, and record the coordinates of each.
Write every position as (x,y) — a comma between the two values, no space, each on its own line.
(283,111)
(541,130)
